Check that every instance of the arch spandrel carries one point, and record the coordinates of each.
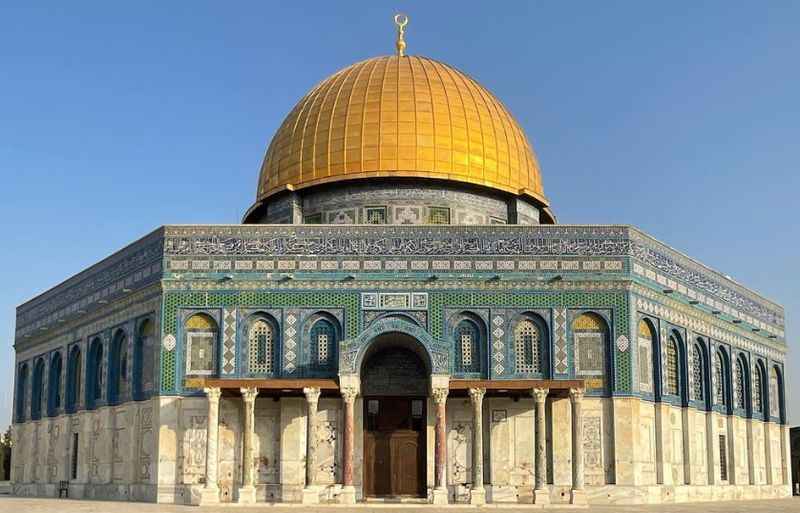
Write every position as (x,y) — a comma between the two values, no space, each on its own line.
(352,352)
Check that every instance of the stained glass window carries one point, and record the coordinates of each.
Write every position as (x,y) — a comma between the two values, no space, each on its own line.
(671,385)
(526,346)
(375,215)
(439,215)
(260,347)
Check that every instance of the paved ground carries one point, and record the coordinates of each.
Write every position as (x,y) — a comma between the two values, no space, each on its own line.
(21,505)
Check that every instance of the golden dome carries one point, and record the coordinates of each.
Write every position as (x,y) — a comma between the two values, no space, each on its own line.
(404,116)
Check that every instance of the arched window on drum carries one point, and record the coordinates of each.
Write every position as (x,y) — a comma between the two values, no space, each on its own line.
(646,338)
(591,337)
(201,343)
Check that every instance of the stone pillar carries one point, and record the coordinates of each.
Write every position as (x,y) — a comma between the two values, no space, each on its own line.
(477,493)
(210,492)
(247,492)
(541,494)
(310,492)
(578,495)
(440,494)
(348,495)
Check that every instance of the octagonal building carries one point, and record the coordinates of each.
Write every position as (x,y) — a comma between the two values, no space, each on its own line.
(400,317)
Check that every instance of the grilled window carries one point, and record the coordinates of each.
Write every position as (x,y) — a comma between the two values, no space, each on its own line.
(645,357)
(758,394)
(323,338)
(719,380)
(260,347)
(697,374)
(671,385)
(526,345)
(467,337)
(739,384)
(723,458)
(439,215)
(375,215)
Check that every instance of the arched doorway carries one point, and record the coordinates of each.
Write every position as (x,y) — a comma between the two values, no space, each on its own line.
(394,386)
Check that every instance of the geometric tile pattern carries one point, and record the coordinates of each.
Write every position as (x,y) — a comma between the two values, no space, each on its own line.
(498,345)
(228,340)
(560,340)
(289,341)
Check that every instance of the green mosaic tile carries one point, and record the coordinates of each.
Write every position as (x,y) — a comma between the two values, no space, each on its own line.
(173,301)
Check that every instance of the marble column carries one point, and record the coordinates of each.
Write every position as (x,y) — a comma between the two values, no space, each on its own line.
(310,492)
(477,493)
(209,494)
(440,495)
(348,495)
(541,494)
(578,495)
(247,492)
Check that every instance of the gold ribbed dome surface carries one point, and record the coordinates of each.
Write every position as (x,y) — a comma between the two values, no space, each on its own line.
(404,116)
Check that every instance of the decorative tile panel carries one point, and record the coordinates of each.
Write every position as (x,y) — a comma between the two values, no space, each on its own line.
(228,340)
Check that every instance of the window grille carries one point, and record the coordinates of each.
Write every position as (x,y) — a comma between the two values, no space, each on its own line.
(439,215)
(739,381)
(672,367)
(589,335)
(375,215)
(323,336)
(697,374)
(723,458)
(467,337)
(260,347)
(74,462)
(526,345)
(758,395)
(719,380)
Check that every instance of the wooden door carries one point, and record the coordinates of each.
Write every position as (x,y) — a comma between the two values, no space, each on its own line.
(377,470)
(405,462)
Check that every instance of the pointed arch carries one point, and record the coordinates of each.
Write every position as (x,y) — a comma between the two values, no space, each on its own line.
(646,342)
(201,332)
(699,391)
(721,378)
(590,334)
(74,368)
(741,384)
(22,391)
(468,333)
(37,394)
(118,375)
(54,400)
(776,399)
(94,374)
(261,335)
(323,333)
(530,345)
(143,359)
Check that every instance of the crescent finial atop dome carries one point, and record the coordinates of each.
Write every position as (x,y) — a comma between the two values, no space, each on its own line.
(401,20)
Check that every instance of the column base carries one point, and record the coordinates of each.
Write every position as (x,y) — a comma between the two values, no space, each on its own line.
(541,496)
(348,495)
(578,497)
(310,495)
(440,496)
(477,496)
(247,495)
(206,496)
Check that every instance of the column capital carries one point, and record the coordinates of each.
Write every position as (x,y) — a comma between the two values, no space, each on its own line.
(349,394)
(439,394)
(312,394)
(476,395)
(213,393)
(540,394)
(249,394)
(576,394)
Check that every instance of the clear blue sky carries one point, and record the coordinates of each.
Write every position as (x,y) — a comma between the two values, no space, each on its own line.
(682,118)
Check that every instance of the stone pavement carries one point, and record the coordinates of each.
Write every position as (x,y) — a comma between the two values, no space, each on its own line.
(28,505)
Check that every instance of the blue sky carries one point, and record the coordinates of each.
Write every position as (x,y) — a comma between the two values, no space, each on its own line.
(682,118)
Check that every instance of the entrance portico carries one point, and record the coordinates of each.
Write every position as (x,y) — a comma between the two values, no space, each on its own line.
(392,406)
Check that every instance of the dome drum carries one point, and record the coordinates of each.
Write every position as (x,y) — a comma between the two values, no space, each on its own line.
(396,201)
